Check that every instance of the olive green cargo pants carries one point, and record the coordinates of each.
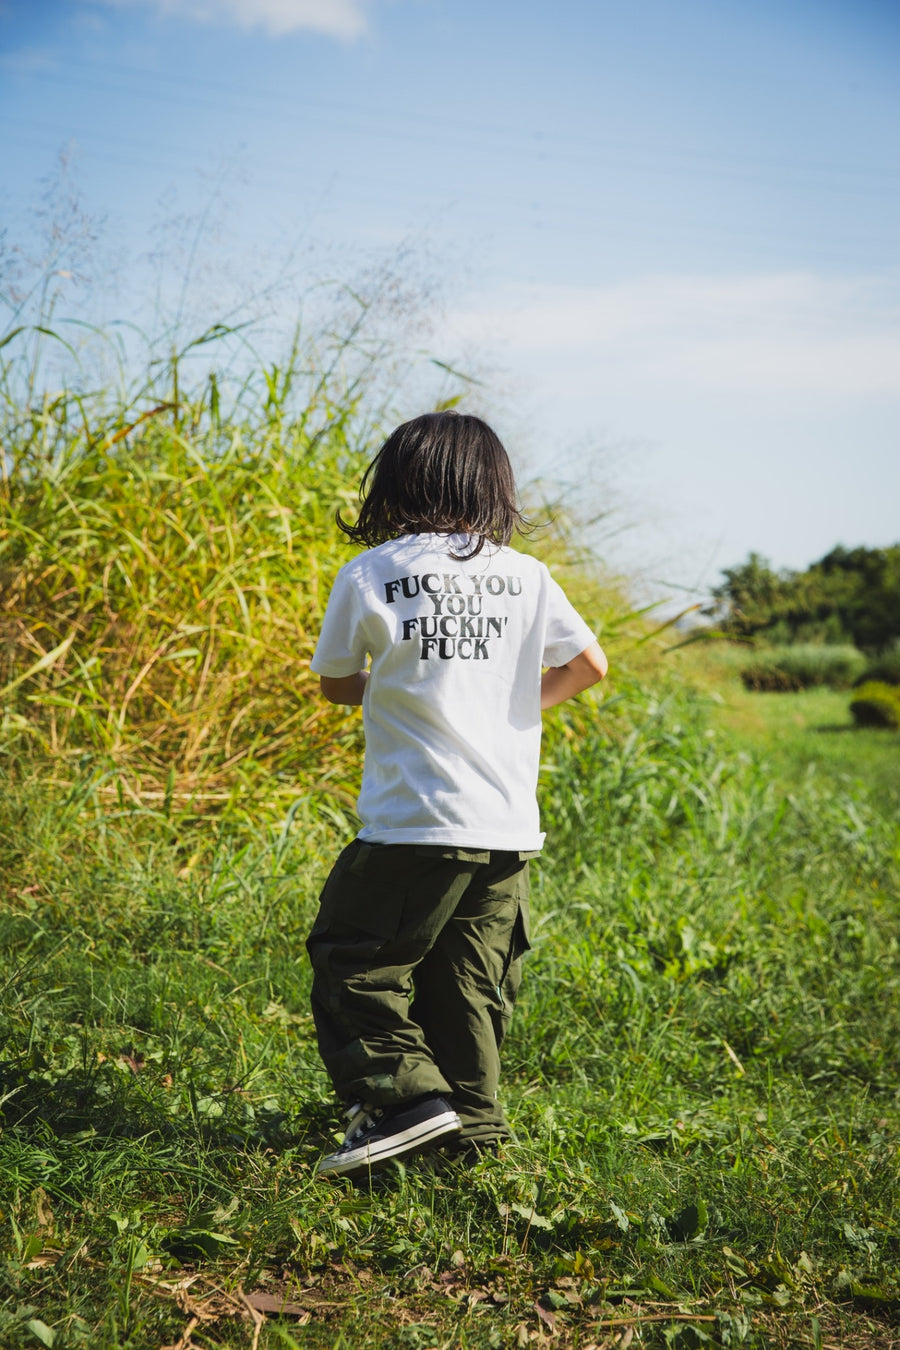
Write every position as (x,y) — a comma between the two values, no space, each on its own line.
(416,956)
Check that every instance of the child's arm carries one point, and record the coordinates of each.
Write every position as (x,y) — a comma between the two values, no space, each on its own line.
(557,684)
(562,682)
(349,689)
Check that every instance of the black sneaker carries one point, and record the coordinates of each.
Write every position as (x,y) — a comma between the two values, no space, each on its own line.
(378,1133)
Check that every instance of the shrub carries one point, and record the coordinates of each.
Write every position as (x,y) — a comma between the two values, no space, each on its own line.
(787,669)
(767,677)
(876,704)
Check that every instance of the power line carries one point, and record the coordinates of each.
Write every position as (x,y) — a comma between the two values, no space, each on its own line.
(534,144)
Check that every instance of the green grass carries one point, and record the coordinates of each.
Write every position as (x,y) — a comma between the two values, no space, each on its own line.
(702,1074)
(703,1066)
(806,733)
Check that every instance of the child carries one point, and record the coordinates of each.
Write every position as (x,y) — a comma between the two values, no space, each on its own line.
(422,923)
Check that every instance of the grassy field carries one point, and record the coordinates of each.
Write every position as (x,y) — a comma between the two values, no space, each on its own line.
(809,732)
(702,1076)
(703,1067)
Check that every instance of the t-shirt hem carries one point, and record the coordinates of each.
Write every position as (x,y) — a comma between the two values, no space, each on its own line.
(336,670)
(478,839)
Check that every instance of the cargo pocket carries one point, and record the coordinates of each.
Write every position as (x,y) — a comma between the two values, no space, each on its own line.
(522,932)
(363,898)
(519,944)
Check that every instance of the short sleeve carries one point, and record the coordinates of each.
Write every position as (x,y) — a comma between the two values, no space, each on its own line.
(566,634)
(341,649)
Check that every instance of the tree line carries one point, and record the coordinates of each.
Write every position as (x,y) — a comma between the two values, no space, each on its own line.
(849,595)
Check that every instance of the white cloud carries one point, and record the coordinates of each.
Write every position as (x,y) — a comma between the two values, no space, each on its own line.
(782,332)
(336,18)
(733,412)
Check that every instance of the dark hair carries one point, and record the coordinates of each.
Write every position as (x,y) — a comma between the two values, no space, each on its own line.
(442,473)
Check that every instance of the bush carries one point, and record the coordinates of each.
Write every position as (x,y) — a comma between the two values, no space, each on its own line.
(767,677)
(787,669)
(876,704)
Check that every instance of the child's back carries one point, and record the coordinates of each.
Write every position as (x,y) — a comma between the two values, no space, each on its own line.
(422,923)
(452,709)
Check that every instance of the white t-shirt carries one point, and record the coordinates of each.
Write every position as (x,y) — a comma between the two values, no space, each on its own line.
(451,710)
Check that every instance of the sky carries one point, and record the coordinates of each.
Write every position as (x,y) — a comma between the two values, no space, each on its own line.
(662,234)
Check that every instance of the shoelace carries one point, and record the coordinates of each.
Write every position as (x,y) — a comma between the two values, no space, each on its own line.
(359,1117)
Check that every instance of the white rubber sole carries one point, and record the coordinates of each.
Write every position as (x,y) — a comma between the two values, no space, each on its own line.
(372,1154)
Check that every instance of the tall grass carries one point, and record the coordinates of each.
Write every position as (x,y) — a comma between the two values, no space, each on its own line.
(804,666)
(164,564)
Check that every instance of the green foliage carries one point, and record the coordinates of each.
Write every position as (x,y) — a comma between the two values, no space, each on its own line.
(850,594)
(161,577)
(876,704)
(803,667)
(752,593)
(862,585)
(885,668)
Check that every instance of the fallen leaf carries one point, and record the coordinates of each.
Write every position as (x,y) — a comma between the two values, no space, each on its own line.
(548,1318)
(274,1303)
(46,1258)
(42,1208)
